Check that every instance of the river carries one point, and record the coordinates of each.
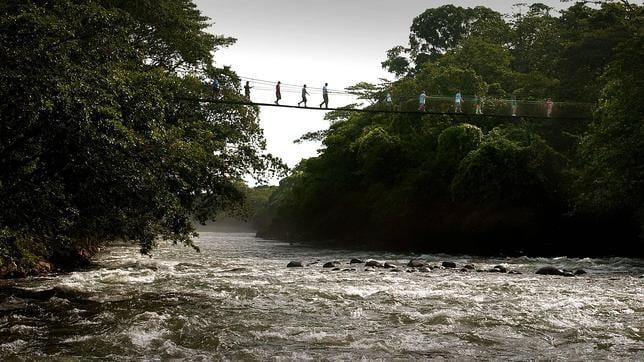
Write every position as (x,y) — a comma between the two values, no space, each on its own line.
(236,300)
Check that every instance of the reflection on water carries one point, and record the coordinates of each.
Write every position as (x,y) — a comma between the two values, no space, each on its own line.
(237,300)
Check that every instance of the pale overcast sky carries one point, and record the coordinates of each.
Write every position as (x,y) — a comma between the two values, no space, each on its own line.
(341,42)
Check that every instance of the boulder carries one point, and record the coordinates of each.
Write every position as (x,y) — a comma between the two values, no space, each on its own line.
(500,269)
(295,264)
(469,266)
(356,261)
(448,264)
(415,263)
(331,264)
(390,266)
(424,269)
(374,263)
(549,270)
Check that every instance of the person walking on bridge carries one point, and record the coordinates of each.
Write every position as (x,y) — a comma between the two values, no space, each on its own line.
(304,94)
(422,99)
(216,88)
(278,93)
(325,96)
(458,102)
(247,89)
(549,105)
(477,103)
(514,104)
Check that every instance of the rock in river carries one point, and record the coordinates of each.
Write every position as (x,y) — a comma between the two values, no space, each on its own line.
(449,264)
(390,266)
(295,264)
(415,263)
(551,270)
(356,261)
(374,263)
(331,264)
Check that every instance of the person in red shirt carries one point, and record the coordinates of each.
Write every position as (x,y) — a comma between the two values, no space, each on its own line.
(549,105)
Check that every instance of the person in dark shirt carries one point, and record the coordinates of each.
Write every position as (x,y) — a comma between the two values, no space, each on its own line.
(247,89)
(278,93)
(304,94)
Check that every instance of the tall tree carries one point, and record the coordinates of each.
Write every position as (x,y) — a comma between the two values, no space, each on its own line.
(96,141)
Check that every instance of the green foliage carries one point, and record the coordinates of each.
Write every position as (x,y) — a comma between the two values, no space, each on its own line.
(494,185)
(455,143)
(95,142)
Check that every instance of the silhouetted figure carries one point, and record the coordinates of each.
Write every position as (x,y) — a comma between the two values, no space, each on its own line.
(216,88)
(422,99)
(514,104)
(477,103)
(458,102)
(278,93)
(549,105)
(247,89)
(304,94)
(325,96)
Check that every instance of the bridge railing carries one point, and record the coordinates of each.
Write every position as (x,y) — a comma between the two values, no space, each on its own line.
(498,106)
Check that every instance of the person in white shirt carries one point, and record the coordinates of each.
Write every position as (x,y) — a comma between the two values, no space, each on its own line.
(325,96)
(458,102)
(421,101)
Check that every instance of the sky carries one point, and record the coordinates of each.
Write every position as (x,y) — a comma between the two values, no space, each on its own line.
(341,42)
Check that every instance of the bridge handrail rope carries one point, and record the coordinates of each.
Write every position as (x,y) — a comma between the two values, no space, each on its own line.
(372,110)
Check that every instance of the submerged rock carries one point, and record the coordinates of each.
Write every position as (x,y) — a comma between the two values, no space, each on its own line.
(356,261)
(335,269)
(424,269)
(580,272)
(369,269)
(499,269)
(469,266)
(374,263)
(295,264)
(448,264)
(390,266)
(514,272)
(331,264)
(549,270)
(415,263)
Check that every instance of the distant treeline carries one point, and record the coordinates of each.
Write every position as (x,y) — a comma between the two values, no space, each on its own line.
(538,187)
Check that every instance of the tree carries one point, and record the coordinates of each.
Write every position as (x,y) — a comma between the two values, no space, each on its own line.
(97,140)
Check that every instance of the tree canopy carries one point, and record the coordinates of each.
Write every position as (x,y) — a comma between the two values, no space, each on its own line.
(545,186)
(96,141)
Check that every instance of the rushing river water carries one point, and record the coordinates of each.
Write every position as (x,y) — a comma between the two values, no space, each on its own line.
(237,300)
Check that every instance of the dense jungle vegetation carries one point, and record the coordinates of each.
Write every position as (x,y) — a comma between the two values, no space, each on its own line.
(428,183)
(96,143)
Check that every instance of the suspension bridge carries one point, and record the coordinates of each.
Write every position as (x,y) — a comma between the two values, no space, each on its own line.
(494,107)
